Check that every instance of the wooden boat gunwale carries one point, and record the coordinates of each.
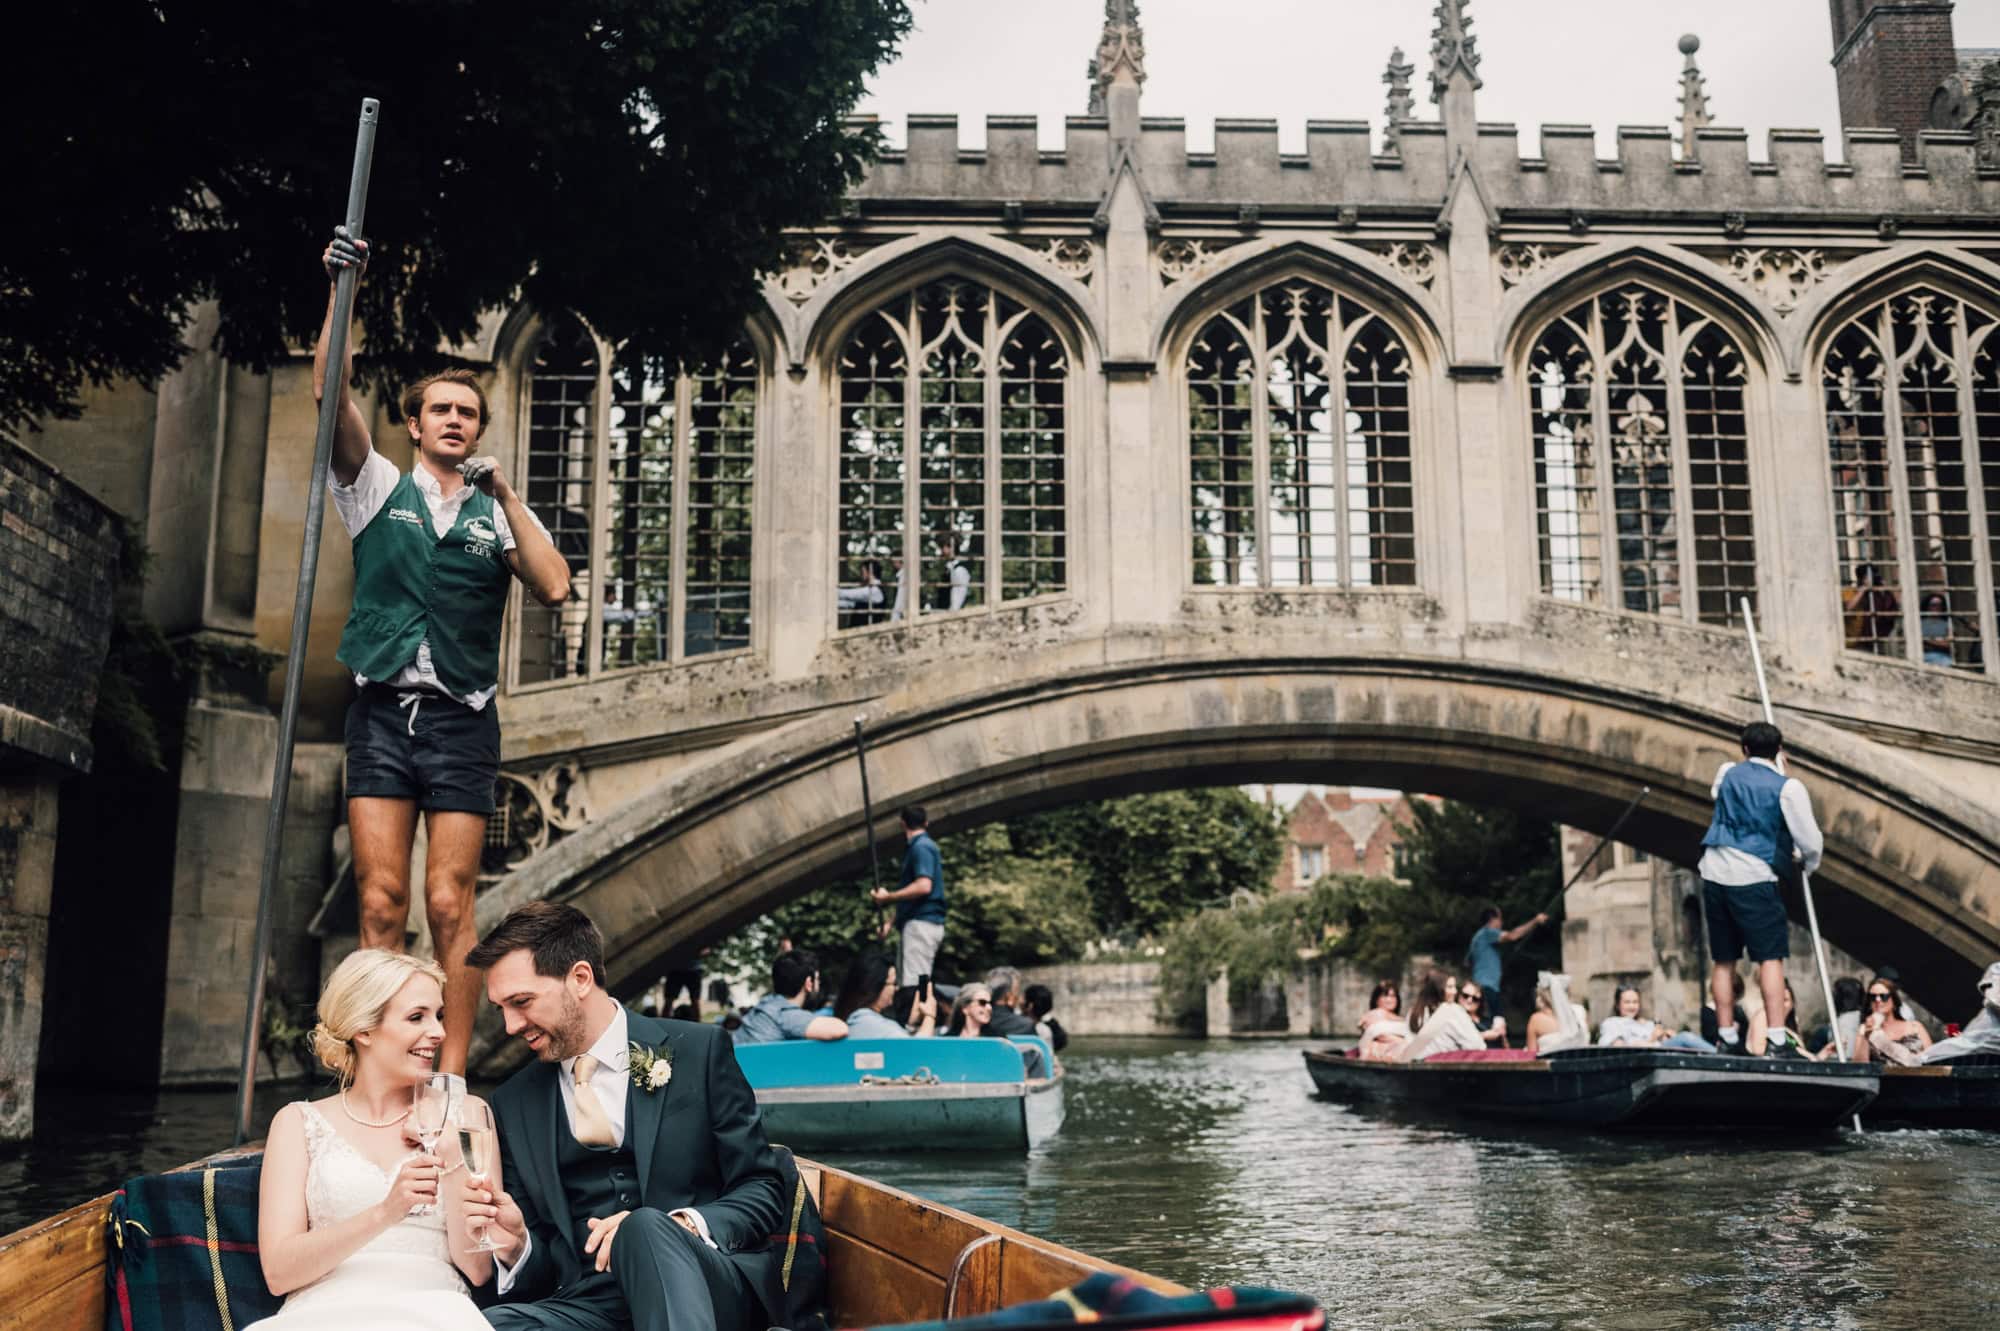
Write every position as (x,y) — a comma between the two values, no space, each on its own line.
(1611,1088)
(889,1252)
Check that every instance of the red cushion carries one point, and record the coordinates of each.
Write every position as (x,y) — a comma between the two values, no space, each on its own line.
(1482,1056)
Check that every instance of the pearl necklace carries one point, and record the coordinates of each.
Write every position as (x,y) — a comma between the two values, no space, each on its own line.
(366,1123)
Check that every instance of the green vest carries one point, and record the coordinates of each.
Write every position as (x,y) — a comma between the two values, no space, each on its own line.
(409,585)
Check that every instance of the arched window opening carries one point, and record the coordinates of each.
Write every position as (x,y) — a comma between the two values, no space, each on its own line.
(1300,466)
(1655,519)
(644,473)
(1913,439)
(953,453)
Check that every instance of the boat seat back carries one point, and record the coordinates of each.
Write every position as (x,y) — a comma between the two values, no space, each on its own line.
(847,1062)
(1036,1042)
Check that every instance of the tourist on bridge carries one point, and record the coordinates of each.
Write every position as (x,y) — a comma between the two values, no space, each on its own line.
(435,550)
(1482,954)
(920,900)
(1763,821)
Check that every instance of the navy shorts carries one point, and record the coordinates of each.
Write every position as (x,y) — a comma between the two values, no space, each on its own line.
(1748,918)
(420,745)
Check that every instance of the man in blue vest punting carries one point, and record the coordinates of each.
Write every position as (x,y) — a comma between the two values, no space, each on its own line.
(1762,817)
(434,551)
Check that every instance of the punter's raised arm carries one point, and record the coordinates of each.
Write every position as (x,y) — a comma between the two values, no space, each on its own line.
(351,444)
(533,557)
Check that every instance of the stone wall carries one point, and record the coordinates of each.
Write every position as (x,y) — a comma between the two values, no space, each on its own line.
(1105,998)
(58,557)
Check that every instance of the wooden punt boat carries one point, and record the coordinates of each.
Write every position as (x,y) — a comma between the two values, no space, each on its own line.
(1963,1093)
(891,1257)
(1626,1089)
(929,1094)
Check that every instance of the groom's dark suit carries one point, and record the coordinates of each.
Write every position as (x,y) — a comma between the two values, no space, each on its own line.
(696,1143)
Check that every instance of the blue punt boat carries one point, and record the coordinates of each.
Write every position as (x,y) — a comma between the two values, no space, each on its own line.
(920,1094)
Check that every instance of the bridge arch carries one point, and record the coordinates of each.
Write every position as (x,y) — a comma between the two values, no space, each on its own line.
(1912,867)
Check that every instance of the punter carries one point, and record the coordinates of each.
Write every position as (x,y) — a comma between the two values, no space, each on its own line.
(1763,824)
(433,551)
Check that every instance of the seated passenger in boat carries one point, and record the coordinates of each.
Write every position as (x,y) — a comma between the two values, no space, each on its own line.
(1885,1037)
(1437,1023)
(1039,1002)
(1625,1027)
(353,1228)
(972,1015)
(1492,1027)
(869,996)
(1981,1034)
(784,1014)
(1385,1004)
(1833,1042)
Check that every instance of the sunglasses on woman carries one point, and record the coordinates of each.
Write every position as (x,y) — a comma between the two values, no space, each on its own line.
(1881,998)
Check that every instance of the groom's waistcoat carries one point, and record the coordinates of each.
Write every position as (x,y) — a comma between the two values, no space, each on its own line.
(595,1183)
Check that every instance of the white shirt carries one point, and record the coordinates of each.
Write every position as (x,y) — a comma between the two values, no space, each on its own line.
(358,504)
(1738,868)
(613,1053)
(1632,1030)
(961,587)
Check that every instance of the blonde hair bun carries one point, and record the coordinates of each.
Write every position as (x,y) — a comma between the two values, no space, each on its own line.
(357,995)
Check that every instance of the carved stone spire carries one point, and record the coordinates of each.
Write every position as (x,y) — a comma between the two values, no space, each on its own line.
(1694,101)
(1096,104)
(1402,106)
(1453,47)
(1120,49)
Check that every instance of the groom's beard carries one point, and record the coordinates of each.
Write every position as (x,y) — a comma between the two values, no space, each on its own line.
(567,1038)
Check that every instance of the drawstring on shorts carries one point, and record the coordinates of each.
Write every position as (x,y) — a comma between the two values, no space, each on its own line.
(414,700)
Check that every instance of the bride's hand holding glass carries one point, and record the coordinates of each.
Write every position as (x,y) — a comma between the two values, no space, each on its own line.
(413,1190)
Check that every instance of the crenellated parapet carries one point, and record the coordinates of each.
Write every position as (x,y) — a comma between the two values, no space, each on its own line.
(1558,174)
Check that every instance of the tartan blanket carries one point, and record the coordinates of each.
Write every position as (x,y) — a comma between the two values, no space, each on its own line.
(1105,1297)
(184,1251)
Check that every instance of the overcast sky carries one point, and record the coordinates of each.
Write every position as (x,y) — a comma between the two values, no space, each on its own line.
(1598,62)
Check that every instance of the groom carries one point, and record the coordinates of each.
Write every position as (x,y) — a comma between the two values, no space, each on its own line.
(639,1188)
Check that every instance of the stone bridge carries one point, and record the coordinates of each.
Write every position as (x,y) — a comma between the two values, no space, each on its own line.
(1438,467)
(1434,455)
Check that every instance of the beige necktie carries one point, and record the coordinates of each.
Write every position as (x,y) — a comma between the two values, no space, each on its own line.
(592,1127)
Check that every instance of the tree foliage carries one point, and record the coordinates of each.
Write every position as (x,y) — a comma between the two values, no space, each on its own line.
(632,160)
(1040,888)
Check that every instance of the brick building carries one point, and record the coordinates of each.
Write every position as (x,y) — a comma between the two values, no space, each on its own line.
(1336,831)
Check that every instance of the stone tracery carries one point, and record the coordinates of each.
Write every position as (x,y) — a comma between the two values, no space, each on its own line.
(1657,517)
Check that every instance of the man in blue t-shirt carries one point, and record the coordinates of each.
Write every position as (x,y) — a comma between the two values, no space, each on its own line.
(1482,954)
(783,1014)
(919,900)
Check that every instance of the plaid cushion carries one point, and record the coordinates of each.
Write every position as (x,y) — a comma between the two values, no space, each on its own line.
(184,1251)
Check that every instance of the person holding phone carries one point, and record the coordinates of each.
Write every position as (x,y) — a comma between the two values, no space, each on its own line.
(869,993)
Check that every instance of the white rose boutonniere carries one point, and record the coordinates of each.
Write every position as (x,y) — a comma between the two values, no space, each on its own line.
(651,1068)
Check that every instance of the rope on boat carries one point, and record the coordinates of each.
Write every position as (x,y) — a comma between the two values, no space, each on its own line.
(921,1077)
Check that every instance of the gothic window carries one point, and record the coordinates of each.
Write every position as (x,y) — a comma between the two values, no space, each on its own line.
(954,404)
(1913,438)
(1642,462)
(1300,469)
(643,474)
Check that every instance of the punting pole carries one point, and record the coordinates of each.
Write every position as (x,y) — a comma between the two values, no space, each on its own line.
(868,810)
(1805,879)
(1598,849)
(295,657)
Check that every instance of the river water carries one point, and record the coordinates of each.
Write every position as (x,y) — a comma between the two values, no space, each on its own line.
(1213,1163)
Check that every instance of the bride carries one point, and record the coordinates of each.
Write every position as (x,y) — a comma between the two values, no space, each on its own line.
(335,1228)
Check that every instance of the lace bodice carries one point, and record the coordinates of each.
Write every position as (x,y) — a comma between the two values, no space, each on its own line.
(340,1182)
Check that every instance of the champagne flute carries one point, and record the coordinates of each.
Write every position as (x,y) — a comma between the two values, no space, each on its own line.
(477,1142)
(432,1108)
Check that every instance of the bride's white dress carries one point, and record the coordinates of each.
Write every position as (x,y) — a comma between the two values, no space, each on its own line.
(400,1280)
